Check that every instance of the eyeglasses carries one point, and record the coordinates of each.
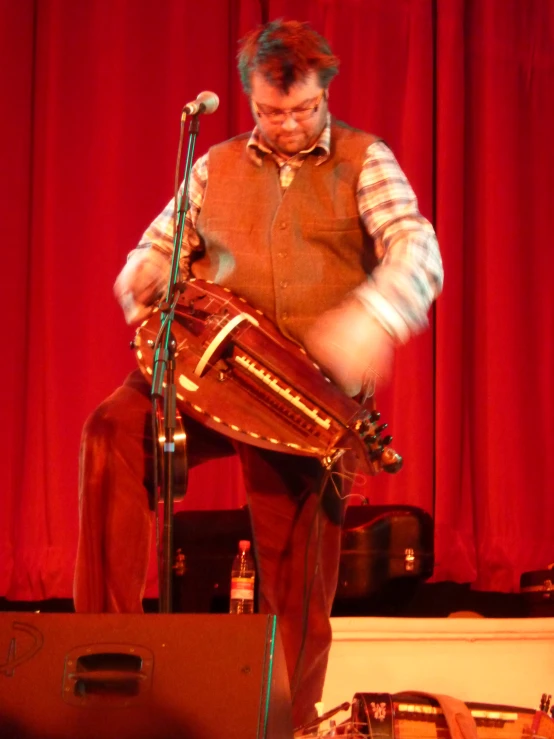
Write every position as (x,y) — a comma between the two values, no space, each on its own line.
(279,115)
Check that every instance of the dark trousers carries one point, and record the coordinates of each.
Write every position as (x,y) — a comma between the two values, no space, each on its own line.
(288,517)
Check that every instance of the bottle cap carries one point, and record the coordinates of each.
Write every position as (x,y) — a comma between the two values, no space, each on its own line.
(244,545)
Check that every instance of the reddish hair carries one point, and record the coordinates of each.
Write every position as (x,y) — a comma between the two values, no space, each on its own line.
(285,52)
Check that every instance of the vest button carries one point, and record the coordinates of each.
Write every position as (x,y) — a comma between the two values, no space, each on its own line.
(283,283)
(283,225)
(282,254)
(284,316)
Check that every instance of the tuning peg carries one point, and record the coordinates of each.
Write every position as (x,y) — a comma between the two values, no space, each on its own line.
(391,461)
(387,440)
(381,428)
(375,416)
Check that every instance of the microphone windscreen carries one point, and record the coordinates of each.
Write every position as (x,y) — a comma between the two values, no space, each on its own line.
(210,101)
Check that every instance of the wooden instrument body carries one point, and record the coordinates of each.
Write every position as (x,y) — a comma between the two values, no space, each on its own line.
(237,374)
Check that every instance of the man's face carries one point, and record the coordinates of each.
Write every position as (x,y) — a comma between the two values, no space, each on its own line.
(293,122)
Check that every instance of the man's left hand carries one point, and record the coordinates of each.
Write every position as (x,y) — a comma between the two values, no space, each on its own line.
(351,347)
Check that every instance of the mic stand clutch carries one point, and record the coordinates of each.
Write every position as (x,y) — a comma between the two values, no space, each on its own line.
(163,387)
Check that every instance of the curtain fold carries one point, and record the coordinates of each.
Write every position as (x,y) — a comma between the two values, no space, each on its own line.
(460,90)
(16,108)
(495,159)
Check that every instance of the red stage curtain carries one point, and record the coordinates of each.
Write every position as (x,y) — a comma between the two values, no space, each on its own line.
(461,90)
(495,321)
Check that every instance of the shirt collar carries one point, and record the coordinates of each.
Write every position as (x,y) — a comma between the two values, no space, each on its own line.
(256,147)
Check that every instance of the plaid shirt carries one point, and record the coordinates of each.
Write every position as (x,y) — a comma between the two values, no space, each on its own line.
(400,290)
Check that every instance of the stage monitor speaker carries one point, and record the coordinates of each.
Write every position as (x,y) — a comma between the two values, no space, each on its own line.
(151,676)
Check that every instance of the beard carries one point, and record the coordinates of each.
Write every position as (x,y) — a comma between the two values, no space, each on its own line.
(292,143)
(289,143)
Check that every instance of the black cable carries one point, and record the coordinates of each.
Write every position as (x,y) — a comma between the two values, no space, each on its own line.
(155,478)
(177,178)
(159,337)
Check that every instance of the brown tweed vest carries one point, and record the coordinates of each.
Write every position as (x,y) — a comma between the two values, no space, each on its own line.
(291,254)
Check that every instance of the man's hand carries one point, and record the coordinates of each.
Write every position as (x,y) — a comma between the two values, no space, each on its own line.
(140,283)
(350,346)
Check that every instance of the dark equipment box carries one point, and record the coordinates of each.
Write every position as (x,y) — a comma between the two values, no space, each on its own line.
(386,553)
(537,588)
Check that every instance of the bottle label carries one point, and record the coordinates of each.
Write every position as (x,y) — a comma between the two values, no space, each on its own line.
(242,588)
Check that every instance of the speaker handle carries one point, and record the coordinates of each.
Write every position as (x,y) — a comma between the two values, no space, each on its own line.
(117,674)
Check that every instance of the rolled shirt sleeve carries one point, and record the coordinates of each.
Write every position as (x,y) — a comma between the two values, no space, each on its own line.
(160,233)
(409,275)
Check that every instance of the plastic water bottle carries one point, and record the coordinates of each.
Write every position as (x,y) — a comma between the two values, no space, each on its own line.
(243,575)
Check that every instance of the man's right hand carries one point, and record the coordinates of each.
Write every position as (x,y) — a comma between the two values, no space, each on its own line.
(141,283)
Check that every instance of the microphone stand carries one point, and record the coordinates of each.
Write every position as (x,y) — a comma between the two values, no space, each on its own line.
(163,384)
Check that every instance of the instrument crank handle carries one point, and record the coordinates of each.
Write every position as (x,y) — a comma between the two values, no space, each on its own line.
(391,461)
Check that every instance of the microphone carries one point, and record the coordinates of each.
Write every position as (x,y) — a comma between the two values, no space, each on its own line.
(206,102)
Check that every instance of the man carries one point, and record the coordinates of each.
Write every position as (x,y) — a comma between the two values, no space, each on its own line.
(315,224)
